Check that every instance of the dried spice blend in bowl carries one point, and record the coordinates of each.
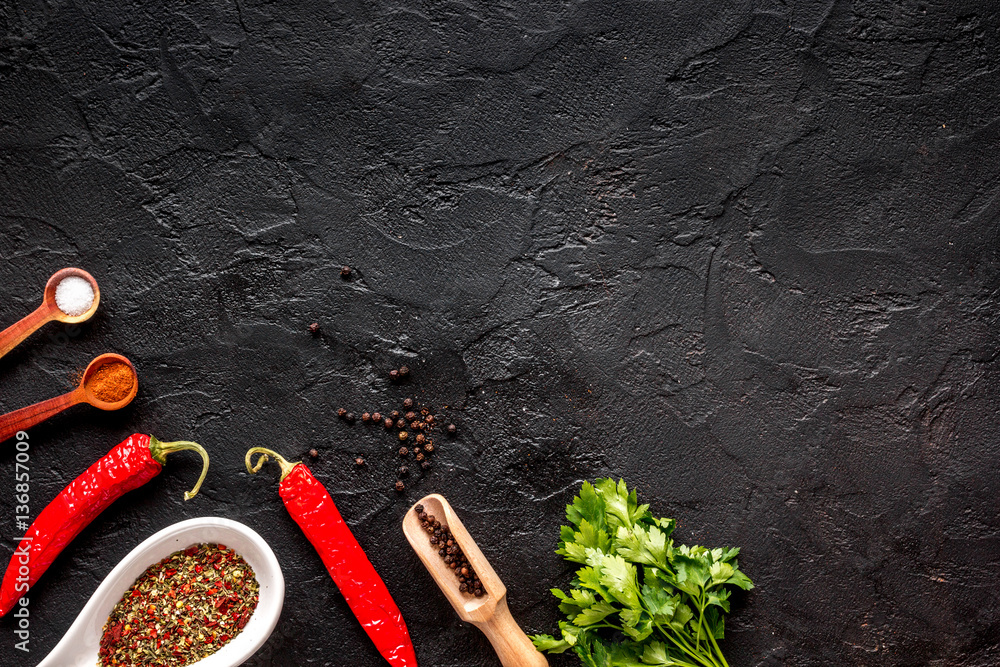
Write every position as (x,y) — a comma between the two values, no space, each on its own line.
(182,609)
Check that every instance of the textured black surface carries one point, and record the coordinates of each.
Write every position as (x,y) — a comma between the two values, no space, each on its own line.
(743,254)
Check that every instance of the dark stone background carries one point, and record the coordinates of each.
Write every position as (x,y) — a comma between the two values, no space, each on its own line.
(743,254)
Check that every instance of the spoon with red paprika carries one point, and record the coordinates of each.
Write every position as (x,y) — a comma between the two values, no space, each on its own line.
(309,503)
(129,465)
(109,383)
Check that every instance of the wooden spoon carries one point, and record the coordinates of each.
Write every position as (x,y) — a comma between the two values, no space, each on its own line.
(48,311)
(25,418)
(488,613)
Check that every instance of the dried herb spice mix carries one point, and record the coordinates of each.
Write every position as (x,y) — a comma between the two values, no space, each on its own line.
(182,609)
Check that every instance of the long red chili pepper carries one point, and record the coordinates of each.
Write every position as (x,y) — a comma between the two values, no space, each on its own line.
(312,508)
(128,466)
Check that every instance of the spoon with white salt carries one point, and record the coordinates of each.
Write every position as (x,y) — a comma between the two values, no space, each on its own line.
(71,296)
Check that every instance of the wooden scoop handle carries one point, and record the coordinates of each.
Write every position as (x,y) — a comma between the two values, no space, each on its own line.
(509,641)
(18,331)
(27,417)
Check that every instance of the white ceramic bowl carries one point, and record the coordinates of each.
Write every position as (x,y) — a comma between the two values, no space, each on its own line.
(79,646)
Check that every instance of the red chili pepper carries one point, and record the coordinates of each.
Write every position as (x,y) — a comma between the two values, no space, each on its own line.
(312,508)
(128,466)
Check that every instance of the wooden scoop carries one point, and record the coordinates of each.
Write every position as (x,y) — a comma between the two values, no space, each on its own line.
(48,311)
(488,613)
(25,418)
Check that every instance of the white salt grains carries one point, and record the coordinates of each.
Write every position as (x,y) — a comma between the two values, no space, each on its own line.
(74,296)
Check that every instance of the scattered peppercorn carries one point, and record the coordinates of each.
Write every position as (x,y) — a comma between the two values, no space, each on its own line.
(341,412)
(429,419)
(429,447)
(395,414)
(403,471)
(400,486)
(407,403)
(387,422)
(345,272)
(376,416)
(403,435)
(452,429)
(360,461)
(314,328)
(403,451)
(410,416)
(421,438)
(349,417)
(404,371)
(394,375)
(400,424)
(420,456)
(313,453)
(366,417)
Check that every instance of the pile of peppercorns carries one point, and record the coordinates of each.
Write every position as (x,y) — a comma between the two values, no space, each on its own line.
(413,431)
(448,549)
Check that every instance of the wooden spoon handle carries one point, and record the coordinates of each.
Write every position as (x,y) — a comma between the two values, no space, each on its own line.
(18,331)
(25,418)
(509,641)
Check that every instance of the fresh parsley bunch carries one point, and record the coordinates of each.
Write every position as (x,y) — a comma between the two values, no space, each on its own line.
(665,604)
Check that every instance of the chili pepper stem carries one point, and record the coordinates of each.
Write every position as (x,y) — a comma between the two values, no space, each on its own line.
(286,466)
(159,450)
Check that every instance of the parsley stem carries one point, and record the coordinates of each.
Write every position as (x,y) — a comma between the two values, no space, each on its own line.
(702,605)
(682,645)
(719,651)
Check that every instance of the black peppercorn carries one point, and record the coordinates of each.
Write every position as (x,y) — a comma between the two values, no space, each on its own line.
(400,486)
(349,417)
(410,416)
(403,451)
(420,456)
(403,435)
(314,327)
(365,417)
(360,461)
(401,424)
(452,429)
(387,422)
(313,453)
(393,375)
(376,416)
(341,412)
(421,438)
(407,403)
(345,272)
(429,447)
(404,371)
(395,414)
(416,426)
(403,471)
(429,419)
(419,509)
